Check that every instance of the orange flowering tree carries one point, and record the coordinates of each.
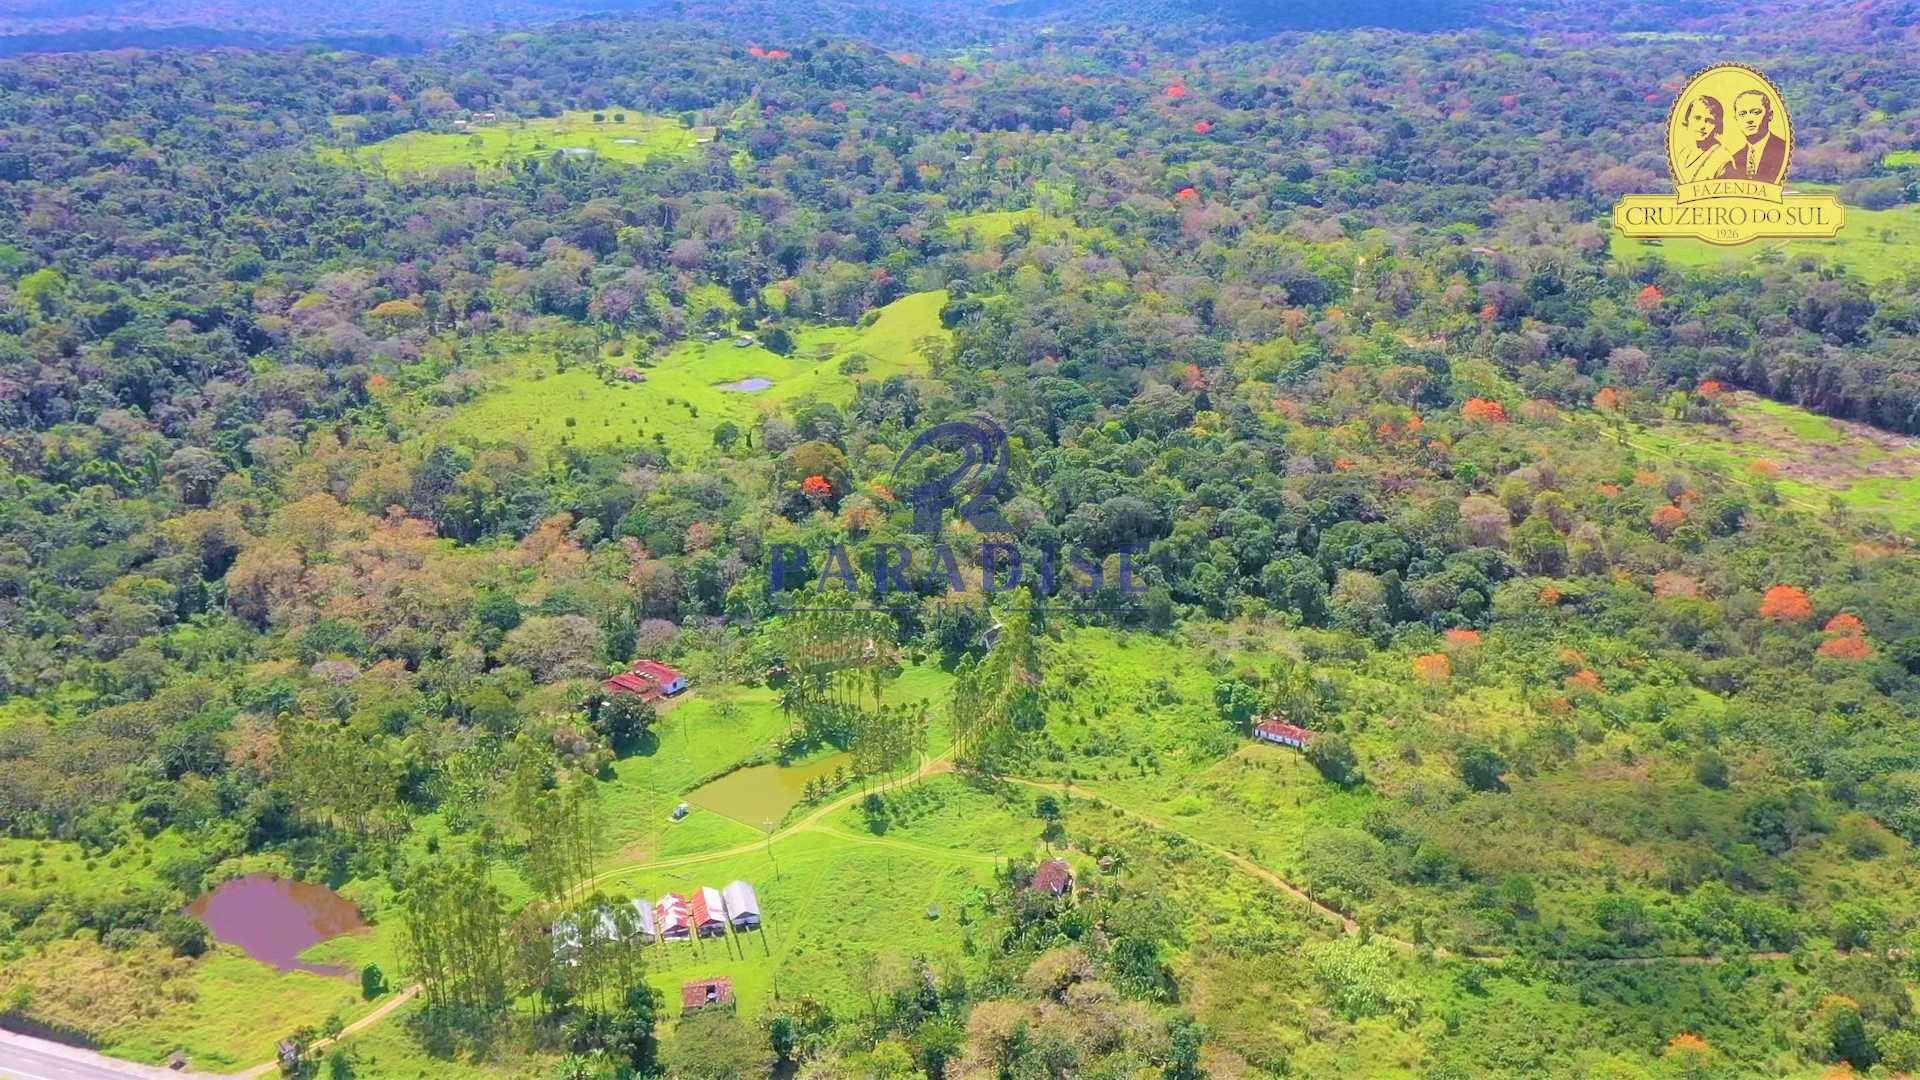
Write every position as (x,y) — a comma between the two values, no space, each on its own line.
(1484,411)
(1786,603)
(1851,649)
(1585,681)
(1666,519)
(1433,668)
(818,489)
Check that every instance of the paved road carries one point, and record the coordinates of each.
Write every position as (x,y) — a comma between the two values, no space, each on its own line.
(23,1057)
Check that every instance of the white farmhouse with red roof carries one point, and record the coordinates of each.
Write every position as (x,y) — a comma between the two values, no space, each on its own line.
(1274,730)
(650,680)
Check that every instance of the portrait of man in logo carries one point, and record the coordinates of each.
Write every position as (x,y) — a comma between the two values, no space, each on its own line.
(1763,154)
(1729,123)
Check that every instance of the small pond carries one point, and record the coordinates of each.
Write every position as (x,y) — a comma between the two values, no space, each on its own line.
(746,386)
(276,919)
(761,793)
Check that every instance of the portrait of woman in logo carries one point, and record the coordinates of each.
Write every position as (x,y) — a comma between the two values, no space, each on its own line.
(1729,123)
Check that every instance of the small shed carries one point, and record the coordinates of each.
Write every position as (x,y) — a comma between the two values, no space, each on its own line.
(743,906)
(633,375)
(1054,877)
(706,994)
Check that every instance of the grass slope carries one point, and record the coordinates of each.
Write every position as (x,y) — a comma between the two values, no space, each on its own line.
(635,141)
(681,402)
(1875,244)
(1868,470)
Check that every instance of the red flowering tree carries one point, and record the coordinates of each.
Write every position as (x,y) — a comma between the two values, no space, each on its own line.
(1649,298)
(818,489)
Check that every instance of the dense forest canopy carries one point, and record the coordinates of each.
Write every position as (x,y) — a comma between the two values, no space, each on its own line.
(360,412)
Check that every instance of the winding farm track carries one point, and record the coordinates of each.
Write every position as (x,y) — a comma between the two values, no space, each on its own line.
(365,1022)
(1345,921)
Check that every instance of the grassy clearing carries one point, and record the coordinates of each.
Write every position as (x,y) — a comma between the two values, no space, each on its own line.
(1876,244)
(833,902)
(1901,158)
(1868,470)
(986,229)
(638,139)
(681,402)
(29,867)
(235,1012)
(710,734)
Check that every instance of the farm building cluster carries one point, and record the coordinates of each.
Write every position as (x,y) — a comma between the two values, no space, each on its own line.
(649,680)
(707,912)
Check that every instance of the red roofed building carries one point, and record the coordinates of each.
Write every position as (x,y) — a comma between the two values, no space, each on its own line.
(705,994)
(650,680)
(673,918)
(708,912)
(1054,877)
(1279,731)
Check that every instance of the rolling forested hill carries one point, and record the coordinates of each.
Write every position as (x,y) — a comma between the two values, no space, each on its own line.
(361,411)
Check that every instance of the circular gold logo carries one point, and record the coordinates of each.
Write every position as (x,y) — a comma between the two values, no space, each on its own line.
(1729,123)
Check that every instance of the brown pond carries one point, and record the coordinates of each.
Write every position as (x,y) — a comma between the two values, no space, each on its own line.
(275,919)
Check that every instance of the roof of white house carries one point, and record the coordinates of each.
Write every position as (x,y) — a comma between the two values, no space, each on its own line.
(673,910)
(741,900)
(708,906)
(644,913)
(610,929)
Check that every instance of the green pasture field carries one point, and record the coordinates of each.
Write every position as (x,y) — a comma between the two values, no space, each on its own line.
(1876,244)
(704,737)
(1138,729)
(235,1010)
(1896,159)
(638,139)
(1818,458)
(681,402)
